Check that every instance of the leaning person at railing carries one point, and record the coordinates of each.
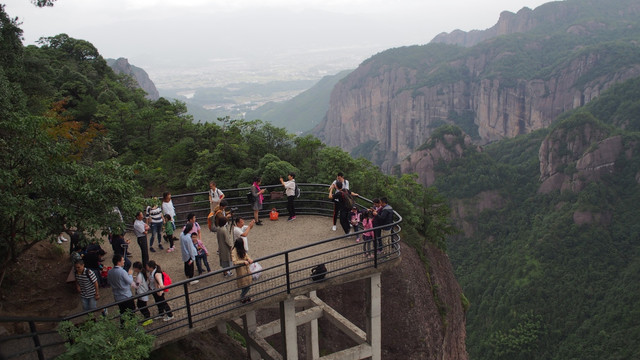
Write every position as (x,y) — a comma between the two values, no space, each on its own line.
(188,251)
(225,241)
(240,257)
(381,217)
(156,282)
(121,282)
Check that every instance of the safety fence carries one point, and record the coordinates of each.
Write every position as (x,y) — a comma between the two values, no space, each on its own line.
(217,298)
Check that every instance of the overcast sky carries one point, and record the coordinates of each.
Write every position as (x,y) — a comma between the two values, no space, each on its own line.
(159,35)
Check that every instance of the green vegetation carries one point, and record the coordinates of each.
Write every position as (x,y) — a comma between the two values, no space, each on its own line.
(540,285)
(77,140)
(105,338)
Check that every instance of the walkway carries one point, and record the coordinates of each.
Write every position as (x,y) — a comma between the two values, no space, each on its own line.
(287,250)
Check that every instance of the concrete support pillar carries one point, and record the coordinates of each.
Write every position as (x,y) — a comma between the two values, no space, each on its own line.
(313,348)
(250,324)
(222,327)
(288,329)
(374,315)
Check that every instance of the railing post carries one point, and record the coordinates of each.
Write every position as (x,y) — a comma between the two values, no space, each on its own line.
(286,266)
(36,339)
(188,304)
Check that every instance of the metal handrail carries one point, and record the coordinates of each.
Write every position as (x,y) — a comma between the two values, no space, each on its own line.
(202,304)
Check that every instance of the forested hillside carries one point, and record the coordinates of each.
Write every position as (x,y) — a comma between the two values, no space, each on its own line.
(76,140)
(552,270)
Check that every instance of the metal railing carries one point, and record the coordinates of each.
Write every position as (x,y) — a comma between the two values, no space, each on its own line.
(213,300)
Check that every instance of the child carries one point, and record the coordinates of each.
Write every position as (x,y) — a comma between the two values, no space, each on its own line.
(202,253)
(367,237)
(169,228)
(354,219)
(140,276)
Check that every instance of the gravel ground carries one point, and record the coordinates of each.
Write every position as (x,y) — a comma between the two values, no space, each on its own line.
(270,238)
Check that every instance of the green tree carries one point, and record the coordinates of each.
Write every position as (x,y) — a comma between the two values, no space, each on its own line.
(105,339)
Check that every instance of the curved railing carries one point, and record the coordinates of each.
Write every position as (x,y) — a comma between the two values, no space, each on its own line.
(198,307)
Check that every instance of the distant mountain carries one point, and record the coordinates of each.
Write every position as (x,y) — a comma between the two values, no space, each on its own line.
(206,104)
(303,112)
(513,79)
(122,66)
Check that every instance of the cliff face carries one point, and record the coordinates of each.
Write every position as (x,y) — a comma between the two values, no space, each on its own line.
(572,158)
(381,107)
(417,321)
(423,162)
(398,103)
(122,66)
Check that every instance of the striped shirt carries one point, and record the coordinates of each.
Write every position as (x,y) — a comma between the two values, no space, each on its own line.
(155,214)
(87,282)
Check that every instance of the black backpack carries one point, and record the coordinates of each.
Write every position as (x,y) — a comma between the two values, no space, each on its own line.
(250,198)
(318,272)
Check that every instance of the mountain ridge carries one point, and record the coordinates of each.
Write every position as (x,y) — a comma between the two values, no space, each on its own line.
(502,87)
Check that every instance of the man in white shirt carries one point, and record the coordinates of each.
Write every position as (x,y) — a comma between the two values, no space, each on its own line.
(215,196)
(140,229)
(242,231)
(290,190)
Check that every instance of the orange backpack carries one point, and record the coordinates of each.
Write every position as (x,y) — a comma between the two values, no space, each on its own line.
(274,214)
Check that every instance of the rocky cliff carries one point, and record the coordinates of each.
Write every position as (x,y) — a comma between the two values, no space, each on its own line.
(497,89)
(423,313)
(122,66)
(573,156)
(557,14)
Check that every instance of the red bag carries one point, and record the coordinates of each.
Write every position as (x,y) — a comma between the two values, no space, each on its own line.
(167,280)
(273,215)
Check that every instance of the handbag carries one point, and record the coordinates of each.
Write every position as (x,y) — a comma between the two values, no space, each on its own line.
(256,270)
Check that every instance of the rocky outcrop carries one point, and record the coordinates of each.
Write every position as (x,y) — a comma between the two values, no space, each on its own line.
(122,66)
(573,156)
(549,15)
(465,212)
(398,98)
(423,314)
(423,162)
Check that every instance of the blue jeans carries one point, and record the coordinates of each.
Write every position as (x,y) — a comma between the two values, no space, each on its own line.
(89,303)
(155,228)
(199,260)
(244,292)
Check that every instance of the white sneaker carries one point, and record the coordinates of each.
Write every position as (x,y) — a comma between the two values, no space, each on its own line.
(167,318)
(333,228)
(59,241)
(194,282)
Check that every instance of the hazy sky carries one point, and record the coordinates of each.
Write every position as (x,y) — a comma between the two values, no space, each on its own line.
(177,35)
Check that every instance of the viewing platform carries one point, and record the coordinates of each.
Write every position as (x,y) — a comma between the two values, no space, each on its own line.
(287,251)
